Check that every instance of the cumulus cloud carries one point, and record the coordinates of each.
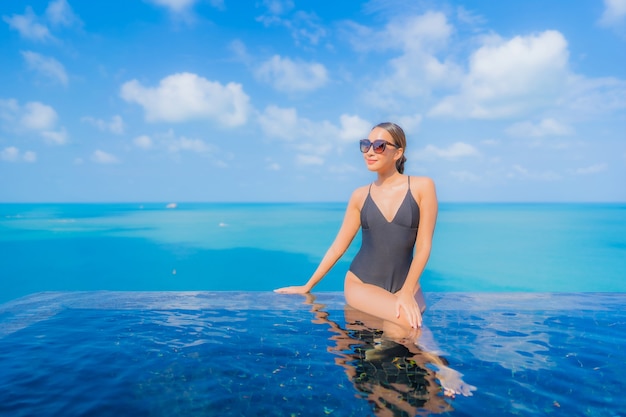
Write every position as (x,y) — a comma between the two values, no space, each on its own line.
(192,145)
(46,66)
(592,169)
(10,154)
(105,158)
(353,128)
(519,171)
(13,154)
(143,142)
(38,116)
(176,6)
(418,69)
(614,14)
(28,26)
(303,26)
(288,76)
(408,123)
(309,160)
(115,125)
(508,77)
(312,140)
(55,137)
(34,28)
(279,123)
(465,176)
(593,96)
(455,151)
(59,13)
(32,117)
(546,127)
(185,96)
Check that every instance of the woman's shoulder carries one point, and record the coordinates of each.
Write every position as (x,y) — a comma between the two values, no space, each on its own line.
(359,195)
(421,186)
(421,181)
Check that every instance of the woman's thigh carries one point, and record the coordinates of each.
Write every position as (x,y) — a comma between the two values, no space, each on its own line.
(373,300)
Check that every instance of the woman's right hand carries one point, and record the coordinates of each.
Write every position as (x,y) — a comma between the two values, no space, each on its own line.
(295,289)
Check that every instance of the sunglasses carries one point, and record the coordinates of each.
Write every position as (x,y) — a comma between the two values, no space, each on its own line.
(379,145)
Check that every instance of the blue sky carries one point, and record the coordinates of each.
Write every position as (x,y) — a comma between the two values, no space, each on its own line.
(224,100)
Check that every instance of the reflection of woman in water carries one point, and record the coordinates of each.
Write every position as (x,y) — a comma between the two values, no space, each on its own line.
(397,215)
(396,376)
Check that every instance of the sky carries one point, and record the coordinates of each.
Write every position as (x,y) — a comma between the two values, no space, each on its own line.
(265,100)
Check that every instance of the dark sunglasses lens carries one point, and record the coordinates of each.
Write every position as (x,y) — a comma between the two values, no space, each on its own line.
(379,146)
(365,145)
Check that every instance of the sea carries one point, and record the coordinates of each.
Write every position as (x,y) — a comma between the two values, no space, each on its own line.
(487,247)
(166,309)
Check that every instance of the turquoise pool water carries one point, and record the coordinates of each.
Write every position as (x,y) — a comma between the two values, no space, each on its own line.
(260,353)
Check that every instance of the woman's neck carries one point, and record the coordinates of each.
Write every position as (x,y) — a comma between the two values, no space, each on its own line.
(386,179)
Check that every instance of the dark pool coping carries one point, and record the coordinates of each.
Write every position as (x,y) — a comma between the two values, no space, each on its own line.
(23,312)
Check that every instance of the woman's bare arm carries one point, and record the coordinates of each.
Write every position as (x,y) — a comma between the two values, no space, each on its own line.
(347,232)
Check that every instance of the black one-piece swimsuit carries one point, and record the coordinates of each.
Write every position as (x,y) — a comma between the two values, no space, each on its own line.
(387,247)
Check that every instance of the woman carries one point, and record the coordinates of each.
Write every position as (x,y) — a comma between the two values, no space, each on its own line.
(398,215)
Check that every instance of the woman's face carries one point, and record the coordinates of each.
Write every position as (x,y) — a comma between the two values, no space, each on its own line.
(381,161)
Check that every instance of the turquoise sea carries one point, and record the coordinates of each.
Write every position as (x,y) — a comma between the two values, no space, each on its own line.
(258,247)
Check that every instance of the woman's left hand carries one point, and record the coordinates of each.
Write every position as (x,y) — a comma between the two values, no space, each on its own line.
(406,303)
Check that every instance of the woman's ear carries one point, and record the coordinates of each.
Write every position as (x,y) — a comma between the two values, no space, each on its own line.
(398,154)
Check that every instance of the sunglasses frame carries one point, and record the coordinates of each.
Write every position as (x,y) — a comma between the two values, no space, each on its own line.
(379,145)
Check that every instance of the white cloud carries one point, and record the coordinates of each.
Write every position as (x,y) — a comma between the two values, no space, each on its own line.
(278,7)
(33,116)
(143,142)
(455,151)
(38,116)
(116,125)
(185,144)
(518,171)
(185,96)
(304,27)
(10,154)
(508,77)
(614,13)
(586,97)
(546,127)
(591,169)
(58,137)
(410,123)
(176,6)
(28,27)
(59,13)
(353,128)
(13,154)
(46,66)
(309,160)
(30,156)
(279,123)
(465,176)
(311,140)
(292,76)
(418,69)
(105,158)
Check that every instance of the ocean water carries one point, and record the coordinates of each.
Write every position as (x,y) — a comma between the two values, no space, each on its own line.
(265,354)
(258,247)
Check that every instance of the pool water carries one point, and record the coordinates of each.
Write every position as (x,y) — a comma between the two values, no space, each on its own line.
(260,353)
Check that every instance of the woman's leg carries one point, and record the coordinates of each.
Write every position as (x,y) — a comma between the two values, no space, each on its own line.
(380,303)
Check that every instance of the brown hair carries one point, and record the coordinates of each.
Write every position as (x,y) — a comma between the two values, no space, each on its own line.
(399,138)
